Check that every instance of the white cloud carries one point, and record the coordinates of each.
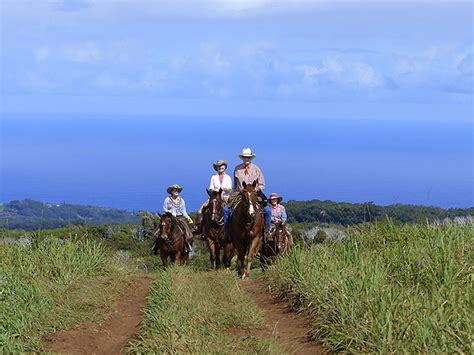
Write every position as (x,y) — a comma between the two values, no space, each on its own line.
(41,53)
(82,53)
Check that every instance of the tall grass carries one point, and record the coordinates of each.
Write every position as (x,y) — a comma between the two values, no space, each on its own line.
(51,285)
(190,312)
(386,288)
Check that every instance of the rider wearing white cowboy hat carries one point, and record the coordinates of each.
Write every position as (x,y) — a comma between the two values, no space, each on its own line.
(248,172)
(218,181)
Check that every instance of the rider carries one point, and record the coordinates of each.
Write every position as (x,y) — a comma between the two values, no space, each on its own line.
(248,172)
(279,214)
(175,205)
(218,181)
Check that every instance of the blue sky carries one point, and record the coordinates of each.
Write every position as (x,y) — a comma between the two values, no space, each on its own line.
(389,76)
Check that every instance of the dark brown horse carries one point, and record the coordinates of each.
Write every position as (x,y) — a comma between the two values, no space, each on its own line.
(278,244)
(213,231)
(246,225)
(170,240)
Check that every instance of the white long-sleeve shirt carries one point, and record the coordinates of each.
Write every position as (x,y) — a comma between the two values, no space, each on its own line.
(226,184)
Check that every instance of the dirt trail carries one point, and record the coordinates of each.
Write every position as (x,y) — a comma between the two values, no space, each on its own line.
(111,336)
(288,329)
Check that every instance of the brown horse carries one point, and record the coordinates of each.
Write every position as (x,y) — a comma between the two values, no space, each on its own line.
(213,231)
(246,225)
(278,244)
(170,240)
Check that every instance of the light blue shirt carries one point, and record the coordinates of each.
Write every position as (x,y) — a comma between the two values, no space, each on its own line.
(176,207)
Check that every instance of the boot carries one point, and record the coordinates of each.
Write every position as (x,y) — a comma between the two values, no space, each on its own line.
(266,235)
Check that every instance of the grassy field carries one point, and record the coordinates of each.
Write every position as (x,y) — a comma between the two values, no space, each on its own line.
(189,311)
(386,288)
(54,284)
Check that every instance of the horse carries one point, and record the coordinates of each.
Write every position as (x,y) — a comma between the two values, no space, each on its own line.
(170,240)
(213,231)
(246,227)
(277,244)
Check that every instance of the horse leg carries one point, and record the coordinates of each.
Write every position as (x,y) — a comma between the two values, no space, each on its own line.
(218,255)
(164,260)
(228,255)
(212,252)
(254,244)
(240,257)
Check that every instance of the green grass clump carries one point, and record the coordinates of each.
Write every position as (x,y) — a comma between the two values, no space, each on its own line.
(51,285)
(386,288)
(190,311)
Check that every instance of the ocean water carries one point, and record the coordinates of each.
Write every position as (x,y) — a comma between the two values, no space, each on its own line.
(128,162)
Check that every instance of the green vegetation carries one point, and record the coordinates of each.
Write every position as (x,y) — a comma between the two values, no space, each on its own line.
(386,288)
(30,215)
(190,311)
(346,214)
(52,285)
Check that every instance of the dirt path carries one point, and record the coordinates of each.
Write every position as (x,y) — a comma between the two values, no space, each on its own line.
(288,329)
(111,336)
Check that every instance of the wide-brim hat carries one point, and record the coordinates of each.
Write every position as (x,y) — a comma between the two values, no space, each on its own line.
(247,153)
(219,163)
(174,187)
(274,196)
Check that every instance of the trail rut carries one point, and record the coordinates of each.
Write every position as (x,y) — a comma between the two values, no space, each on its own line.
(289,330)
(110,336)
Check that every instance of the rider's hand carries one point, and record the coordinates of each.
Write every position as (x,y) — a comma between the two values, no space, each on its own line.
(259,199)
(190,221)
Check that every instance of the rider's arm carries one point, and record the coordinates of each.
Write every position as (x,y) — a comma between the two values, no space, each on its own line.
(283,215)
(212,185)
(261,180)
(227,183)
(183,210)
(167,205)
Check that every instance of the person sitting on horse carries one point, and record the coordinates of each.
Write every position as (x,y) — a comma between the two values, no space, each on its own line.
(175,205)
(248,172)
(279,215)
(218,181)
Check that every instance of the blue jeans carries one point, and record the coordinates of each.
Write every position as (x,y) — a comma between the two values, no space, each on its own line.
(267,211)
(268,216)
(226,218)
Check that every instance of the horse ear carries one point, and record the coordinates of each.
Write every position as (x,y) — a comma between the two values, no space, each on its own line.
(220,191)
(158,214)
(255,183)
(208,192)
(244,184)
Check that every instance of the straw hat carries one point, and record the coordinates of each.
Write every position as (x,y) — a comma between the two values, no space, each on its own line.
(275,196)
(174,187)
(247,153)
(219,163)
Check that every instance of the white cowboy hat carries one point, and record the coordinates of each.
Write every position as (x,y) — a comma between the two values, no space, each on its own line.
(247,153)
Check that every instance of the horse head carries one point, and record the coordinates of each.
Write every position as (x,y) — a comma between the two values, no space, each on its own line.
(216,206)
(249,198)
(166,222)
(280,237)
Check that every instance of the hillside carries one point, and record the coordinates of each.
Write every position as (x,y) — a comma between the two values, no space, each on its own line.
(343,213)
(29,214)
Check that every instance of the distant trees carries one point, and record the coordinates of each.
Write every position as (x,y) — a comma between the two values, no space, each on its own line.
(316,211)
(30,215)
